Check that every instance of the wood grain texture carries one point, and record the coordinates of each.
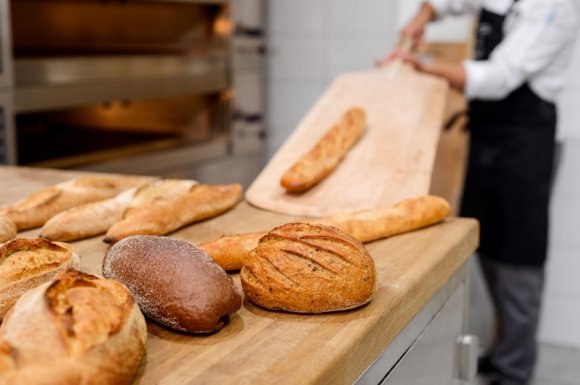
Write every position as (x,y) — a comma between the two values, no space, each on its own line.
(263,347)
(393,159)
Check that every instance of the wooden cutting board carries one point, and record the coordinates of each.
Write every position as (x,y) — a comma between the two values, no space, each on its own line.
(392,161)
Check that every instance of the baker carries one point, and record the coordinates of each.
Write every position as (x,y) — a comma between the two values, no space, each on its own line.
(522,50)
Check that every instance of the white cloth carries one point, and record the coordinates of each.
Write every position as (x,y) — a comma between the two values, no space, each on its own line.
(538,43)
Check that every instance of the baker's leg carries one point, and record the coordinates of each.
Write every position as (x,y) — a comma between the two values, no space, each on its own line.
(516,292)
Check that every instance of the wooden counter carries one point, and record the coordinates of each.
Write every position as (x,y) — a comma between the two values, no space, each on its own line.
(263,347)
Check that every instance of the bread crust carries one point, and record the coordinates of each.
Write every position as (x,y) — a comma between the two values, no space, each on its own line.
(162,216)
(366,226)
(229,251)
(28,263)
(97,217)
(7,229)
(407,215)
(175,283)
(34,210)
(308,268)
(76,329)
(326,155)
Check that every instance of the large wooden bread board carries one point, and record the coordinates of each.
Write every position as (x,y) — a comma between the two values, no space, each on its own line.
(392,161)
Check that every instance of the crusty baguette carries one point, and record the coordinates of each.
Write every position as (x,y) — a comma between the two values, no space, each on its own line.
(27,263)
(407,215)
(162,216)
(97,217)
(76,329)
(366,226)
(325,156)
(7,229)
(229,250)
(308,268)
(36,209)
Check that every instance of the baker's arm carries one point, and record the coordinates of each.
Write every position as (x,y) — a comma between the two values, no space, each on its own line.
(543,31)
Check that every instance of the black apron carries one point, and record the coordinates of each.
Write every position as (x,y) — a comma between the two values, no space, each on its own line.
(507,186)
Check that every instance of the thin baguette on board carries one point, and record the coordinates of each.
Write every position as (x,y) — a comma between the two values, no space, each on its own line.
(27,263)
(7,229)
(308,268)
(162,216)
(76,329)
(97,217)
(367,225)
(326,155)
(36,209)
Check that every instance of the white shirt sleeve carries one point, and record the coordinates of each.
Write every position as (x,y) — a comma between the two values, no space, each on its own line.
(455,7)
(543,30)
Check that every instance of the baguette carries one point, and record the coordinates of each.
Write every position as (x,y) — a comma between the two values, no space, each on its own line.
(7,229)
(407,215)
(97,217)
(162,216)
(366,226)
(34,210)
(326,155)
(229,250)
(27,263)
(76,329)
(307,268)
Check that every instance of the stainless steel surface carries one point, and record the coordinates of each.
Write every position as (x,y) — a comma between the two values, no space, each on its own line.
(431,358)
(89,69)
(156,163)
(5,45)
(390,360)
(8,152)
(467,348)
(61,83)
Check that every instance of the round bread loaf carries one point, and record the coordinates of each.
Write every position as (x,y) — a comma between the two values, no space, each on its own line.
(308,268)
(176,284)
(76,329)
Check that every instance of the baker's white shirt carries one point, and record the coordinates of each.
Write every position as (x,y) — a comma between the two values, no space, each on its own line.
(538,43)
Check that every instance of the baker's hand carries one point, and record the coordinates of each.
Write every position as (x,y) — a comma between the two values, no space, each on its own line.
(401,54)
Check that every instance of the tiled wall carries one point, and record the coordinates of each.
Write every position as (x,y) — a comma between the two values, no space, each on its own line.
(311,41)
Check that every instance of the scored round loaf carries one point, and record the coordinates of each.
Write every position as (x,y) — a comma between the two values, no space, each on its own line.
(307,268)
(176,284)
(76,329)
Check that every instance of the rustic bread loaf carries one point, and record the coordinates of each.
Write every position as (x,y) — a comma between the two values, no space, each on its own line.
(366,226)
(176,284)
(97,217)
(308,268)
(37,208)
(7,229)
(162,216)
(325,156)
(27,263)
(76,329)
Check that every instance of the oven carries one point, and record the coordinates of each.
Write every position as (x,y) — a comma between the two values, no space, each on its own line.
(130,86)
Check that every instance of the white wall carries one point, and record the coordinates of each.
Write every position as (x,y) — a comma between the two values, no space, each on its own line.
(311,41)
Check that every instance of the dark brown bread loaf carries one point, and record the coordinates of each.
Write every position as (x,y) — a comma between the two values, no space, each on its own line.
(28,263)
(76,329)
(308,268)
(176,284)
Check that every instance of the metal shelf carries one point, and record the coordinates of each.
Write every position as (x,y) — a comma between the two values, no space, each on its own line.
(52,83)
